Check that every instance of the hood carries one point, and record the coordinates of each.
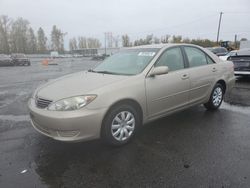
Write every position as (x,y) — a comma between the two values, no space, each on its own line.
(80,83)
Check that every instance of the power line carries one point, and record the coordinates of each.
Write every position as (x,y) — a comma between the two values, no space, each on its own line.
(232,12)
(174,26)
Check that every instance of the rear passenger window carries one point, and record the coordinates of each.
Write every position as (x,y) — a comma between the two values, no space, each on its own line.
(195,57)
(172,58)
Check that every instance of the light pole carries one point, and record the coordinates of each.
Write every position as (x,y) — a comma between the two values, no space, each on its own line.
(105,46)
(218,33)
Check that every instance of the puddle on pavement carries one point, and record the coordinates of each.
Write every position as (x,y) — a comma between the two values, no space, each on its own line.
(236,108)
(14,118)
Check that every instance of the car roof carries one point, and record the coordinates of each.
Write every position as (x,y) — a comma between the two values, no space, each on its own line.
(167,45)
(159,46)
(151,46)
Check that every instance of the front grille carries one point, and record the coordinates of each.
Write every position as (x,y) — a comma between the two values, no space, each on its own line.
(42,103)
(68,133)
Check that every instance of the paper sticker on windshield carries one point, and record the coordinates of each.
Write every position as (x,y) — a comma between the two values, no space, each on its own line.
(146,54)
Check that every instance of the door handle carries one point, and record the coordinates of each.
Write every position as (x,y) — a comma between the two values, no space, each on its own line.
(214,69)
(184,76)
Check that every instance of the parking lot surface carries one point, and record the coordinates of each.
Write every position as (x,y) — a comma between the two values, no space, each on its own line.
(192,148)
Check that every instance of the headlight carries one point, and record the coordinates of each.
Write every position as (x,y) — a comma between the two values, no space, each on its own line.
(72,103)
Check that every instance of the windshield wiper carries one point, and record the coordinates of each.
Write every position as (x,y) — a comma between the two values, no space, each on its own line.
(102,72)
(108,72)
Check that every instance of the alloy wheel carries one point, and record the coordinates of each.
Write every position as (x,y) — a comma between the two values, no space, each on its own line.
(217,96)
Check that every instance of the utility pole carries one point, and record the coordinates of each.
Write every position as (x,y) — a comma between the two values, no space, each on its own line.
(218,33)
(235,41)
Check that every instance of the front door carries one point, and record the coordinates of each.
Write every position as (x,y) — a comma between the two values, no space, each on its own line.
(169,91)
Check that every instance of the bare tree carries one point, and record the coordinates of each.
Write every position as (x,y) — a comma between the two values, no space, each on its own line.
(41,41)
(82,42)
(186,40)
(93,43)
(57,39)
(176,39)
(5,22)
(141,41)
(165,39)
(31,42)
(18,35)
(125,40)
(73,44)
(116,41)
(149,39)
(156,40)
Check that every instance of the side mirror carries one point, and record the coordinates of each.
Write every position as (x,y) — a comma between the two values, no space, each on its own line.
(159,71)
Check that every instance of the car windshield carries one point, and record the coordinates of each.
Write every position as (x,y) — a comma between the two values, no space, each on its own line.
(127,62)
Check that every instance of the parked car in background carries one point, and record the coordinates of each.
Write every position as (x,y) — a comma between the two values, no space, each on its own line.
(54,54)
(77,55)
(225,57)
(241,62)
(20,59)
(128,89)
(100,56)
(219,51)
(5,60)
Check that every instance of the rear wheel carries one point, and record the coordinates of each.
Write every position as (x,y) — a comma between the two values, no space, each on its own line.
(120,125)
(216,98)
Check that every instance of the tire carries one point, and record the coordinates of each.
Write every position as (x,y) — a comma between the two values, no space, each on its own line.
(120,125)
(216,97)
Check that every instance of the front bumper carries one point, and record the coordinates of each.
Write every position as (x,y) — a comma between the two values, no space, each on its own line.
(71,126)
(6,63)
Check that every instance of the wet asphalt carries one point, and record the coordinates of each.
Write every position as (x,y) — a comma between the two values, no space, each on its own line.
(192,148)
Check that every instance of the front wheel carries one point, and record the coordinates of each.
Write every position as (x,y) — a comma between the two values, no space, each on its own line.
(216,98)
(120,125)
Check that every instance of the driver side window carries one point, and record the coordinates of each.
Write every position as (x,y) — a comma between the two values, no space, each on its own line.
(172,58)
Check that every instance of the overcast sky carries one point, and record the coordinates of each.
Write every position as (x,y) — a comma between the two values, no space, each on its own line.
(137,18)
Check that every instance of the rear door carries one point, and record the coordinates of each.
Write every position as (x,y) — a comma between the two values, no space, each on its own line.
(169,91)
(202,73)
